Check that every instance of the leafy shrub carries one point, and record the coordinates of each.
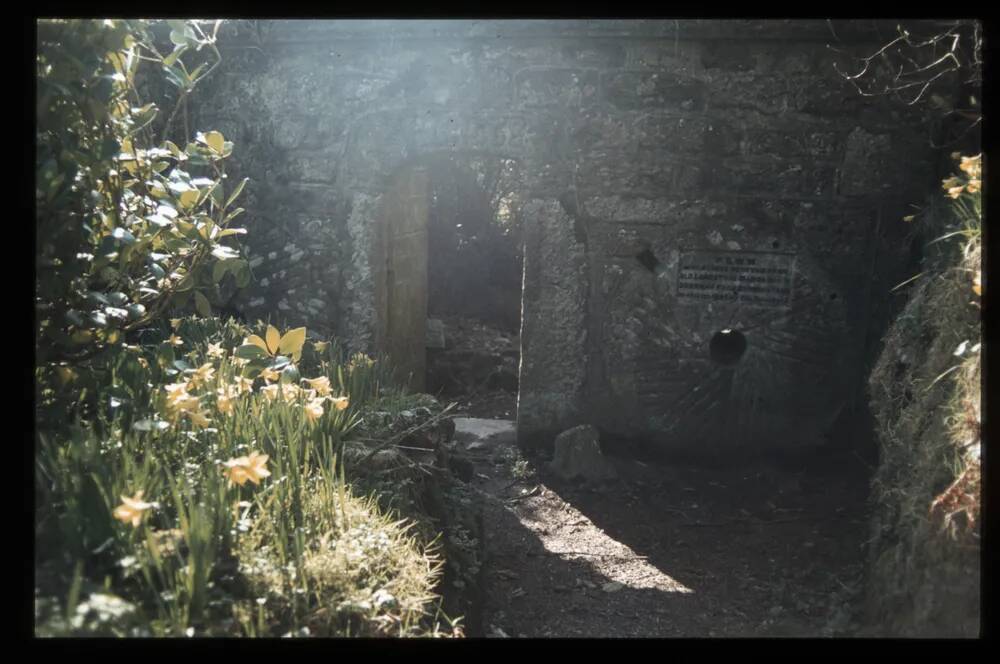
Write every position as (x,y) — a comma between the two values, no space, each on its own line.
(128,225)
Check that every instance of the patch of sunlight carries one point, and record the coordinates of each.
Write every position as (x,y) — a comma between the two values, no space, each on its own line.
(580,539)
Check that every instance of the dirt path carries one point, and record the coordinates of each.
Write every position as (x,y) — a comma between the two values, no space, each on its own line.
(669,551)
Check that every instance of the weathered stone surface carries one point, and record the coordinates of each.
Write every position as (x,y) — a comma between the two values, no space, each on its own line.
(553,329)
(642,144)
(578,456)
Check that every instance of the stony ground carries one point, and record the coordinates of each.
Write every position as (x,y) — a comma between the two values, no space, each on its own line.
(667,550)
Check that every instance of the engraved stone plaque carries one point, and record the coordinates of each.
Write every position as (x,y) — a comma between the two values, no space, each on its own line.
(744,277)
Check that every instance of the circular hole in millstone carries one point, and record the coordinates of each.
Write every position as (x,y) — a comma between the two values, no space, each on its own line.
(727,347)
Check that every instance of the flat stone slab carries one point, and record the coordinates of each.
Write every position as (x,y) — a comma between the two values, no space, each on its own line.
(473,431)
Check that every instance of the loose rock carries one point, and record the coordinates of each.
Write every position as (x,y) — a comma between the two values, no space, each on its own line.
(578,456)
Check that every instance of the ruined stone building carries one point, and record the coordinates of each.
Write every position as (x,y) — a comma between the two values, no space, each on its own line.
(709,213)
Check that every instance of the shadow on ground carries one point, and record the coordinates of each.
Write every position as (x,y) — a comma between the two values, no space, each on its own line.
(672,550)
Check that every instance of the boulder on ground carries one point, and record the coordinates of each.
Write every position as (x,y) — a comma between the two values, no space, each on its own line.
(578,456)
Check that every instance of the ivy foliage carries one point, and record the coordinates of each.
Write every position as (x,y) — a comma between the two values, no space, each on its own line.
(129,225)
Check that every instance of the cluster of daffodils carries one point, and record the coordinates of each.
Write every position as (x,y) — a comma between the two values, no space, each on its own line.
(182,401)
(311,397)
(973,169)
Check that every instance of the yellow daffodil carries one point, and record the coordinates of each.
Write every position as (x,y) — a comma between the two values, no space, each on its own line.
(243,385)
(198,417)
(269,375)
(175,323)
(972,165)
(215,351)
(290,392)
(224,399)
(314,410)
(202,375)
(973,186)
(321,346)
(270,391)
(953,186)
(977,283)
(321,385)
(132,509)
(175,340)
(176,394)
(241,469)
(143,362)
(340,403)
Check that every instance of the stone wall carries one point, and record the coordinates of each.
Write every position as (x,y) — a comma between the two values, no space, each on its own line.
(658,158)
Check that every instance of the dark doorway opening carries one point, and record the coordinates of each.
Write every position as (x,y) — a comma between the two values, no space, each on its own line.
(474,283)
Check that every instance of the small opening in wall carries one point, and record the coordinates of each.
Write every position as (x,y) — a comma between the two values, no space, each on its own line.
(833,296)
(727,347)
(648,260)
(775,244)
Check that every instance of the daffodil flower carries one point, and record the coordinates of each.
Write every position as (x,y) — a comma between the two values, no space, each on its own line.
(270,391)
(290,392)
(314,410)
(175,340)
(175,323)
(321,385)
(243,385)
(269,375)
(202,374)
(177,396)
(215,351)
(972,165)
(132,509)
(252,468)
(198,417)
(321,346)
(340,403)
(977,283)
(224,399)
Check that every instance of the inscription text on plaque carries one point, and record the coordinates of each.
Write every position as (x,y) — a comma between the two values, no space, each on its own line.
(745,277)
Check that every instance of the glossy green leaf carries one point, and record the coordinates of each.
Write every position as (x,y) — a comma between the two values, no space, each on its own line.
(219,271)
(214,140)
(250,352)
(237,191)
(202,305)
(292,342)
